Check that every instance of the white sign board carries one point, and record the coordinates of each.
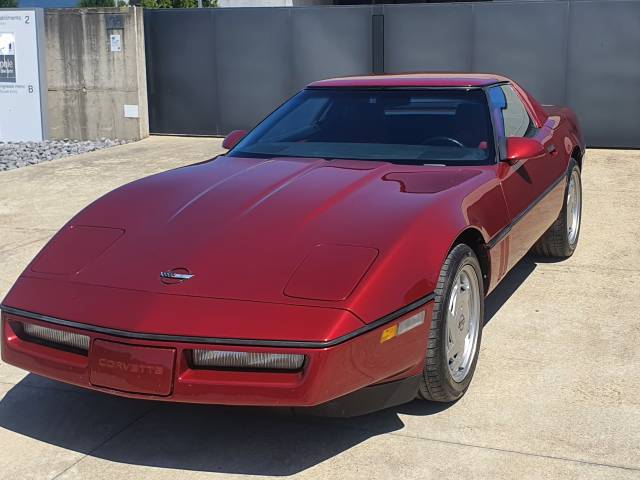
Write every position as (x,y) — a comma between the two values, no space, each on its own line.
(131,111)
(21,105)
(116,44)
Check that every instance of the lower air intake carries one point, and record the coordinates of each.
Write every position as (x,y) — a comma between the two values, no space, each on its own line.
(225,359)
(56,337)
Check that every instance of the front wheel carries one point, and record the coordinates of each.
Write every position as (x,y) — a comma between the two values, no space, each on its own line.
(561,240)
(456,328)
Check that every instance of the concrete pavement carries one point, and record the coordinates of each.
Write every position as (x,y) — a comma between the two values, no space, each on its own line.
(556,393)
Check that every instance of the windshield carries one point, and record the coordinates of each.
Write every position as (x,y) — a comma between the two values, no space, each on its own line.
(450,127)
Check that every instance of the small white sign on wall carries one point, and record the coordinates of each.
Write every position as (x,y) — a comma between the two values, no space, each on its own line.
(116,42)
(22,105)
(131,111)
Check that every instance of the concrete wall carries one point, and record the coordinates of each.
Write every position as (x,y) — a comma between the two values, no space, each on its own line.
(89,85)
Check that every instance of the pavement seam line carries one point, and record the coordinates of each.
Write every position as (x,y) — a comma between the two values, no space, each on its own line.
(104,442)
(589,268)
(12,250)
(505,450)
(30,229)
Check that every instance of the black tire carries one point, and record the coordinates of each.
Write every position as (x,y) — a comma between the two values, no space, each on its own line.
(555,243)
(437,382)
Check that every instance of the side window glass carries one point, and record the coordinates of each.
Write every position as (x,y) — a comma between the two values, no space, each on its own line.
(498,103)
(517,122)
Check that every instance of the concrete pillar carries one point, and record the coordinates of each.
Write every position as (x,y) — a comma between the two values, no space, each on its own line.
(96,73)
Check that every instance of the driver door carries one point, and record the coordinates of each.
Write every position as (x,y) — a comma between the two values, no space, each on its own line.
(525,183)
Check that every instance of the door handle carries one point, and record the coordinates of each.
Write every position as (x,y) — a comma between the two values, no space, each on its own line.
(552,149)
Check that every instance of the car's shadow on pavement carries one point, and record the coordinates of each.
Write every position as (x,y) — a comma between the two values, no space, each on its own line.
(232,440)
(238,440)
(509,285)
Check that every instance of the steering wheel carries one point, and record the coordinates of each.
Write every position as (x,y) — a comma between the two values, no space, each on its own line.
(441,139)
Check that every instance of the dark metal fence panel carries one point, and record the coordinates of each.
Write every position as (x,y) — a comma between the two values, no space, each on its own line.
(214,70)
(181,72)
(330,42)
(526,42)
(436,38)
(603,74)
(253,49)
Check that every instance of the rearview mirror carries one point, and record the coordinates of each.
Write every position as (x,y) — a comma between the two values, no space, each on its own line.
(520,148)
(233,138)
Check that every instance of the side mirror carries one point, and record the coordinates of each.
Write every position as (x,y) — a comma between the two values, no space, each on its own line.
(233,138)
(519,148)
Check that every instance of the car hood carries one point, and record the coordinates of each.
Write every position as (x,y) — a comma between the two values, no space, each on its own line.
(276,230)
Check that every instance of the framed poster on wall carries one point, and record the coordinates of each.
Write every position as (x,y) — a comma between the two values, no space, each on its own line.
(23,88)
(7,57)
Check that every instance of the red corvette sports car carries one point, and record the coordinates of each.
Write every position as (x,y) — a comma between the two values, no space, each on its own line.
(337,257)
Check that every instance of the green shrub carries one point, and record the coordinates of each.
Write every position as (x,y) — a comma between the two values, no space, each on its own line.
(96,3)
(142,3)
(8,3)
(177,3)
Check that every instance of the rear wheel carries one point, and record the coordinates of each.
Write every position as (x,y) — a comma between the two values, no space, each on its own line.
(456,328)
(561,240)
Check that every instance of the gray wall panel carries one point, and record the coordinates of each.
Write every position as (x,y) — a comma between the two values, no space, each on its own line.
(428,37)
(253,49)
(215,70)
(526,42)
(330,42)
(603,81)
(181,85)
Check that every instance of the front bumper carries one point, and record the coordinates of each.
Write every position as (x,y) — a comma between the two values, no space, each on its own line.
(328,373)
